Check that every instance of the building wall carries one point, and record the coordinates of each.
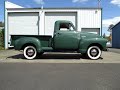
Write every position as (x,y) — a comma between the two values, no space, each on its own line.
(116,36)
(85,18)
(89,19)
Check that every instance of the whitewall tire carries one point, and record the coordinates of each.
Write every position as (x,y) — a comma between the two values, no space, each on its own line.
(30,52)
(94,52)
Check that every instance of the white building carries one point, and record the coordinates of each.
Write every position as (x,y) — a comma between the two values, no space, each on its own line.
(37,21)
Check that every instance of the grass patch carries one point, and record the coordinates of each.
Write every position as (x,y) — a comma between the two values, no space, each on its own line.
(2,48)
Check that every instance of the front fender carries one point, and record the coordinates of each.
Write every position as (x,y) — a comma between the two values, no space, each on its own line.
(19,43)
(85,43)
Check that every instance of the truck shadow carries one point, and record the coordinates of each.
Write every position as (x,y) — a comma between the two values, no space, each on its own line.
(52,56)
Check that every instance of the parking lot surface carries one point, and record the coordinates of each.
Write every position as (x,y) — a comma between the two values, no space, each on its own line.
(12,56)
(115,50)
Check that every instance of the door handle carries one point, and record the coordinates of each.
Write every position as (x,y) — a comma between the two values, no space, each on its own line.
(59,33)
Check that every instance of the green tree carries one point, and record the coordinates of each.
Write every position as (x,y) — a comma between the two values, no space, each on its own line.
(110,27)
(1,39)
(104,36)
(1,24)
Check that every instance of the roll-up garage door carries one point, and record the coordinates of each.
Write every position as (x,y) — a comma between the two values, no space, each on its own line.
(51,17)
(23,23)
(91,30)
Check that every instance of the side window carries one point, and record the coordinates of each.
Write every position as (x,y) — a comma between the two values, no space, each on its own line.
(64,27)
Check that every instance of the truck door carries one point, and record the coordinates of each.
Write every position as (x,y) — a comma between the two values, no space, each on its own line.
(66,38)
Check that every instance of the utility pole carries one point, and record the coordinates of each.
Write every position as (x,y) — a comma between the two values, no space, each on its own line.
(99,3)
(41,2)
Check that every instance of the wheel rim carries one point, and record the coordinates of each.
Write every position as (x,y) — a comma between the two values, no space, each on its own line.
(30,52)
(94,52)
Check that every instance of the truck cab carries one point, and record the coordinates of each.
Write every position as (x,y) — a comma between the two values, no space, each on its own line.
(65,38)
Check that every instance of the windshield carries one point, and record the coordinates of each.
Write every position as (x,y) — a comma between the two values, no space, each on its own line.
(71,27)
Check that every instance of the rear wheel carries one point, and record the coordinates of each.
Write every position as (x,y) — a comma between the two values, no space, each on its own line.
(30,52)
(94,52)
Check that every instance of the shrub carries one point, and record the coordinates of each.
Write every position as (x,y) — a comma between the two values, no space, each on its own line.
(1,39)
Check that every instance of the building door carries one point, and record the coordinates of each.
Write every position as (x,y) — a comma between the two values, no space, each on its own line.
(23,23)
(52,17)
(91,30)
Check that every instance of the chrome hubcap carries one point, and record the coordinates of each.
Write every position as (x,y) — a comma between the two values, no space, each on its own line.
(30,52)
(94,52)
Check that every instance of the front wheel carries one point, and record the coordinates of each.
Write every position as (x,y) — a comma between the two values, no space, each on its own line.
(30,52)
(94,52)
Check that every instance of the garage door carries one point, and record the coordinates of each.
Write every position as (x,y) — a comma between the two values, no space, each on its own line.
(23,23)
(91,30)
(51,17)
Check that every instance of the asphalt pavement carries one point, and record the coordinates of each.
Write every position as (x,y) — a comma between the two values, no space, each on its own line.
(59,71)
(21,76)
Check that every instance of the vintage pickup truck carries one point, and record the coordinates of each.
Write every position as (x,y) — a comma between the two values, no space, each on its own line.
(65,38)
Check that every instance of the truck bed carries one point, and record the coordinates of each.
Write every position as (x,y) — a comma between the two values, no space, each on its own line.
(46,41)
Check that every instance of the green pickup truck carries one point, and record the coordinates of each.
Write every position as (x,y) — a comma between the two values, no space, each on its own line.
(65,38)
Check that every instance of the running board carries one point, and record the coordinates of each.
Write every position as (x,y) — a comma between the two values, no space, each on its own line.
(47,48)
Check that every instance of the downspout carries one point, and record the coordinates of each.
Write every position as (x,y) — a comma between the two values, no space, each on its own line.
(5,27)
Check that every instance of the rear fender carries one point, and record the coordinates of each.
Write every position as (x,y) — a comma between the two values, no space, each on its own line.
(21,42)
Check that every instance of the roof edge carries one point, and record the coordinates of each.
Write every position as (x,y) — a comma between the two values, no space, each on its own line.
(56,8)
(115,25)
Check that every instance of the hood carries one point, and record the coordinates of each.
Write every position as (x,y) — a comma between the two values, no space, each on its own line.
(89,35)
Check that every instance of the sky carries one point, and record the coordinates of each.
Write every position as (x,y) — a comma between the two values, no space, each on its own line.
(110,8)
